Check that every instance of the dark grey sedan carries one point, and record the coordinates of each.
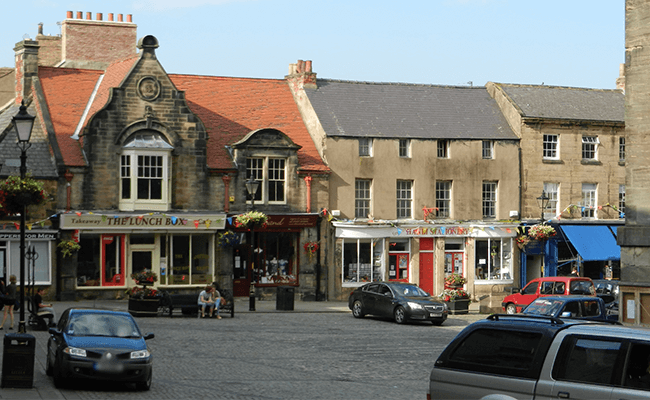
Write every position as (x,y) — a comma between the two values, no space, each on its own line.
(401,301)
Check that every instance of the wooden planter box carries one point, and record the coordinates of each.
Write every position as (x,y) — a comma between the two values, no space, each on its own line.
(147,307)
(458,306)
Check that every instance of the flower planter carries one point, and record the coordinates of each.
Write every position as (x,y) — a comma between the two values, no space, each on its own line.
(460,306)
(145,307)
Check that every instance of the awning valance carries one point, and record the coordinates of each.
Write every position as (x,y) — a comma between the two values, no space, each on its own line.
(593,242)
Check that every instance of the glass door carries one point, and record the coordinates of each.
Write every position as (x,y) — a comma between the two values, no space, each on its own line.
(113,257)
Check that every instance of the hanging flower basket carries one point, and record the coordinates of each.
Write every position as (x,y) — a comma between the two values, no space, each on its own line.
(311,248)
(68,247)
(250,220)
(522,241)
(228,239)
(16,193)
(541,232)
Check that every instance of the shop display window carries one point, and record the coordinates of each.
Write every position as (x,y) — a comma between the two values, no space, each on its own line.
(494,259)
(89,261)
(274,256)
(42,272)
(362,261)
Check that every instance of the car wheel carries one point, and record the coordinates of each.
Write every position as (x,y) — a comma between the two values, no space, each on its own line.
(49,371)
(511,308)
(400,315)
(58,379)
(437,322)
(146,384)
(357,309)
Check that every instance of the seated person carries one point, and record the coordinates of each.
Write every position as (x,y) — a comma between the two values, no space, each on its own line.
(206,300)
(218,300)
(40,306)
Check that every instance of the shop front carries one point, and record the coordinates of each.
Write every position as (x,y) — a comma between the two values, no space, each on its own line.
(40,253)
(284,252)
(179,248)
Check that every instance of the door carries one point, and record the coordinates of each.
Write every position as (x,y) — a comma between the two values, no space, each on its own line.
(241,279)
(141,260)
(113,257)
(398,269)
(426,265)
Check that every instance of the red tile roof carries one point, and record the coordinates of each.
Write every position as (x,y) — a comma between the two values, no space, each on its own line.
(66,93)
(230,108)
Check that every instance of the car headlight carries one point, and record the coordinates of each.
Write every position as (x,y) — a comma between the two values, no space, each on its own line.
(73,351)
(140,354)
(415,306)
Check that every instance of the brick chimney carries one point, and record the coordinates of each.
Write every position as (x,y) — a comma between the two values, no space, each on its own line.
(99,41)
(49,53)
(26,67)
(300,74)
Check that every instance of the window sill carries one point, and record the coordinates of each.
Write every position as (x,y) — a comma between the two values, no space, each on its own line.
(621,163)
(552,161)
(590,162)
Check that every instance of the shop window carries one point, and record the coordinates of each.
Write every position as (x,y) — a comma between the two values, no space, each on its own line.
(362,261)
(144,172)
(113,260)
(275,259)
(179,269)
(494,259)
(271,173)
(186,259)
(454,257)
(88,261)
(41,274)
(398,260)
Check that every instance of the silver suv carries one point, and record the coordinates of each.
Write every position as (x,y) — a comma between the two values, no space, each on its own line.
(526,357)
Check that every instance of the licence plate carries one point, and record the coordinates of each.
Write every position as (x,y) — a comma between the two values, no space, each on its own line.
(433,315)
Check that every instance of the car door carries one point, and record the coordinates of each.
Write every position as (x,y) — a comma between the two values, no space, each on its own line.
(369,298)
(528,294)
(384,301)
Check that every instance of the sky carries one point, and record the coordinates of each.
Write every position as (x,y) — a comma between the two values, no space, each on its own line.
(578,43)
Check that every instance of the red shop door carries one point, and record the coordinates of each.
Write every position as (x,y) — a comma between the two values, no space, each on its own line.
(426,265)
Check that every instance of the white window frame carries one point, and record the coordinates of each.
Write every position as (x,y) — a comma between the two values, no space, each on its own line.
(589,200)
(489,199)
(405,148)
(621,149)
(374,268)
(551,147)
(404,199)
(487,149)
(443,198)
(552,190)
(443,148)
(131,171)
(498,267)
(365,147)
(262,169)
(590,146)
(362,198)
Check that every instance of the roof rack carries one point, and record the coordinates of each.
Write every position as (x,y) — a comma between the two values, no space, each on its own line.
(537,318)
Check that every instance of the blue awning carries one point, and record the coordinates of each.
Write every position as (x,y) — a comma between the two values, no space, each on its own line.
(593,242)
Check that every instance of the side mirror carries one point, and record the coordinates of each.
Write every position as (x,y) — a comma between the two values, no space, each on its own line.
(148,336)
(54,331)
(566,314)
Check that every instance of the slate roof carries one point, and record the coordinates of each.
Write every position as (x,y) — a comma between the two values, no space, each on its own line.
(567,103)
(230,108)
(397,110)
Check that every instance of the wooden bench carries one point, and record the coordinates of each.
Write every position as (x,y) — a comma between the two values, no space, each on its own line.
(187,304)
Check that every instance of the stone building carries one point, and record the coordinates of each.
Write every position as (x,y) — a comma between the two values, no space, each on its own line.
(573,149)
(424,182)
(152,168)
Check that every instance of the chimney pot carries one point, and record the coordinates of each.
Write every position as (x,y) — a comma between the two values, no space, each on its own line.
(79,14)
(308,66)
(119,17)
(129,17)
(110,17)
(300,68)
(89,15)
(40,28)
(100,16)
(69,14)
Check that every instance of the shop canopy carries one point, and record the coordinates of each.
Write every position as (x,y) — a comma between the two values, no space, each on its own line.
(593,242)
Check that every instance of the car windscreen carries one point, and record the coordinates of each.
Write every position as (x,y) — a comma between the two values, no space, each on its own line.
(544,307)
(582,287)
(410,291)
(114,325)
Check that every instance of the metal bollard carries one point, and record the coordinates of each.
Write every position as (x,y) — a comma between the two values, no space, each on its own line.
(251,298)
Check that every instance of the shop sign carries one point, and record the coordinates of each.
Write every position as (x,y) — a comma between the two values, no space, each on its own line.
(289,221)
(437,231)
(149,222)
(28,236)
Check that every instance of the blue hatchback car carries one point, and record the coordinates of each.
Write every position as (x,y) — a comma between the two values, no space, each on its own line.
(572,306)
(98,344)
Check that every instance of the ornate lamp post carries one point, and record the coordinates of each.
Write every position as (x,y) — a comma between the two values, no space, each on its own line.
(542,201)
(23,123)
(252,186)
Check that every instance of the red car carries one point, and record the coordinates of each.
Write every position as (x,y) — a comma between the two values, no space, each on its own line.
(549,286)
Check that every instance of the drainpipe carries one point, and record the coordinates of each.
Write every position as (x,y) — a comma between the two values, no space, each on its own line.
(308,182)
(318,266)
(68,177)
(226,184)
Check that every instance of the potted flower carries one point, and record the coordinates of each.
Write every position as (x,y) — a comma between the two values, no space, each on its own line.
(250,220)
(228,239)
(311,248)
(68,247)
(457,300)
(522,241)
(541,232)
(16,193)
(455,281)
(144,301)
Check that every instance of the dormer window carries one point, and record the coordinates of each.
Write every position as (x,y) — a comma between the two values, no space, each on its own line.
(271,172)
(144,172)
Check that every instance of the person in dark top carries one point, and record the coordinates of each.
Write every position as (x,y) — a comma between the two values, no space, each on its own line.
(9,302)
(40,306)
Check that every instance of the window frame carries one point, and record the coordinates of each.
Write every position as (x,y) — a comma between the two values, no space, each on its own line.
(590,146)
(489,198)
(362,205)
(487,149)
(365,147)
(130,172)
(404,198)
(443,204)
(552,190)
(589,200)
(261,169)
(498,263)
(404,148)
(621,201)
(442,148)
(621,149)
(370,259)
(551,146)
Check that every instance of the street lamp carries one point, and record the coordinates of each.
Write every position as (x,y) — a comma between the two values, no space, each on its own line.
(252,186)
(23,124)
(543,202)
